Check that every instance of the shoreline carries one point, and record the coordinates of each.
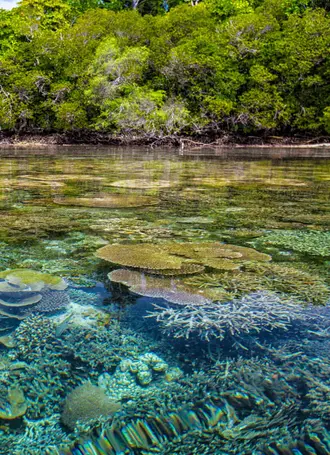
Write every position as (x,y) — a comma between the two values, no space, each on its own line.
(173,142)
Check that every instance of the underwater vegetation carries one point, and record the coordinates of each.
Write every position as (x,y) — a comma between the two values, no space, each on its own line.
(143,184)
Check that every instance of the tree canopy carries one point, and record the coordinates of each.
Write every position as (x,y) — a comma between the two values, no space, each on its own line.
(165,67)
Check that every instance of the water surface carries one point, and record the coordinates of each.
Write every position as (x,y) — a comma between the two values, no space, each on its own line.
(208,323)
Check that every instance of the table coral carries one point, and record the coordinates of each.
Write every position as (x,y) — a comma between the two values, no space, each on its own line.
(25,291)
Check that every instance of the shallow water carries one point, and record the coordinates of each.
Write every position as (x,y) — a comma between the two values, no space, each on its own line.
(209,325)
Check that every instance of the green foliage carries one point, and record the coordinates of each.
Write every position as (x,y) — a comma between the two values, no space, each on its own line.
(126,67)
(226,8)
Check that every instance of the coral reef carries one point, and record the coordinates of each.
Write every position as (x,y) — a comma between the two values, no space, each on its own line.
(253,376)
(131,373)
(171,256)
(175,259)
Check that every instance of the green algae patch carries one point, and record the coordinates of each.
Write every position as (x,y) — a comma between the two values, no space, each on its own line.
(35,280)
(221,264)
(315,243)
(110,201)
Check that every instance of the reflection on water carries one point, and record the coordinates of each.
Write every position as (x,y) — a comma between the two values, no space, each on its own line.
(190,289)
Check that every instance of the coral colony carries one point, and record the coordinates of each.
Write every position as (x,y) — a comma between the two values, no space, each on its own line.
(164,310)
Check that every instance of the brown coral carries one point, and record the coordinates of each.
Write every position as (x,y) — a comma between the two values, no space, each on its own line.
(85,403)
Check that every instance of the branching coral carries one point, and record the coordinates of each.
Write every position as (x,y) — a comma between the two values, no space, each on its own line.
(251,314)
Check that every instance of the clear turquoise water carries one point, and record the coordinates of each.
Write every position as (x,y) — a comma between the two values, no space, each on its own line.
(235,358)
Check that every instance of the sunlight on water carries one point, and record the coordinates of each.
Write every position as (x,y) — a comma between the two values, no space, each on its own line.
(155,302)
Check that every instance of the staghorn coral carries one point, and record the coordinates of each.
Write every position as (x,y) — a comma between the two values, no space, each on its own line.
(85,404)
(48,373)
(251,314)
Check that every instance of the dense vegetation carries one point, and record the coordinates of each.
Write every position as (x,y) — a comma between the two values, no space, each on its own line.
(163,67)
